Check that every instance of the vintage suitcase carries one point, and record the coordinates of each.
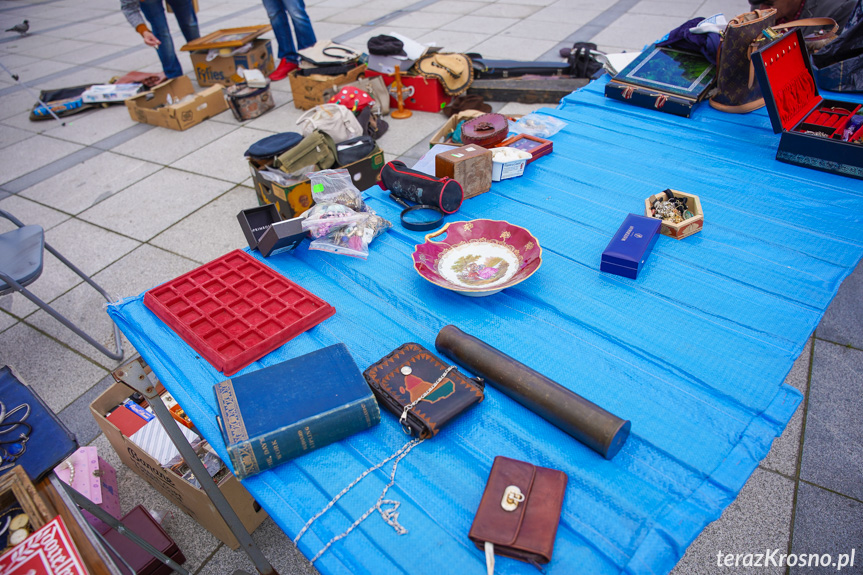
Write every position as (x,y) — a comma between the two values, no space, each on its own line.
(470,166)
(247,102)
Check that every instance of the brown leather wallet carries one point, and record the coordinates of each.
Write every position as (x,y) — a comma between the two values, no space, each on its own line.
(520,510)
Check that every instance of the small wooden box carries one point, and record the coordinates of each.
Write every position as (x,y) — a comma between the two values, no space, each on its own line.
(468,165)
(686,227)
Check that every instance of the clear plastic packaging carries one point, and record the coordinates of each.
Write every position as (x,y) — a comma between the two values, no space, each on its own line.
(538,125)
(324,218)
(350,240)
(336,187)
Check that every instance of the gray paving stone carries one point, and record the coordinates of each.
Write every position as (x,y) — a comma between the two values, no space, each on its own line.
(77,416)
(825,523)
(31,154)
(92,127)
(488,24)
(131,275)
(402,134)
(513,48)
(88,247)
(783,454)
(833,441)
(217,222)
(6,320)
(553,31)
(10,135)
(843,318)
(276,547)
(29,212)
(155,203)
(425,19)
(15,104)
(212,159)
(664,8)
(282,119)
(451,40)
(455,7)
(759,519)
(90,182)
(57,373)
(164,146)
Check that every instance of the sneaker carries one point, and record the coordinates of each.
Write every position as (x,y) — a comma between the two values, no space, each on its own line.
(285,68)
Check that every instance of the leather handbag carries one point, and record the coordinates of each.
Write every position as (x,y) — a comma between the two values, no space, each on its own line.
(737,90)
(839,66)
(333,119)
(519,512)
(354,150)
(486,130)
(424,392)
(421,188)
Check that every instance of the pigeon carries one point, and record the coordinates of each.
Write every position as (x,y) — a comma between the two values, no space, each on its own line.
(20,28)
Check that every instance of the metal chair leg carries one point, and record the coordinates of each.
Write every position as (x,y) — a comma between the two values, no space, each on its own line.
(116,355)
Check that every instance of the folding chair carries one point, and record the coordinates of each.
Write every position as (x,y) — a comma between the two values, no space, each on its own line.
(21,258)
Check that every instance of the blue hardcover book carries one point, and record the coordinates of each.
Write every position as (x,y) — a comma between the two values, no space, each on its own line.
(280,412)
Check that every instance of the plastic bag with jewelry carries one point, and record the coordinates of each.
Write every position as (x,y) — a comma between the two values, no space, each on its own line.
(336,187)
(324,218)
(538,125)
(351,239)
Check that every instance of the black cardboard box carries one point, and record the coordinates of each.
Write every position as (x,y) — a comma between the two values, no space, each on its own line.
(255,221)
(811,126)
(286,234)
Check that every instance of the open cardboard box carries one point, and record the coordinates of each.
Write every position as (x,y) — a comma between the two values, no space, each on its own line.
(686,227)
(192,500)
(440,136)
(291,201)
(164,105)
(223,69)
(308,91)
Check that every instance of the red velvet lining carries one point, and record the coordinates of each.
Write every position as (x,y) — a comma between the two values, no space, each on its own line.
(793,87)
(830,118)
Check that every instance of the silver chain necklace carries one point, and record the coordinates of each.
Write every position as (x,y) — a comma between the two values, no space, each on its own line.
(404,418)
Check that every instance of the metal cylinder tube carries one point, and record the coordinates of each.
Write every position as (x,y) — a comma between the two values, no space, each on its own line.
(590,424)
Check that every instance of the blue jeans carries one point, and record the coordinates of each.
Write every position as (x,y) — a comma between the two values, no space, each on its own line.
(154,12)
(278,12)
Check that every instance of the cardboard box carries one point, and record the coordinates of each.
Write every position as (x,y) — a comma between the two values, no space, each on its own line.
(812,128)
(222,70)
(630,246)
(291,201)
(428,94)
(308,91)
(192,500)
(441,136)
(685,228)
(470,166)
(153,107)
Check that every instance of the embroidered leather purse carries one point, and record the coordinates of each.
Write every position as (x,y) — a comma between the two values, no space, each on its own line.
(424,392)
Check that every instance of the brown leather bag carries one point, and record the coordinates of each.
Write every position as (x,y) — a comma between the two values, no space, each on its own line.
(519,511)
(737,90)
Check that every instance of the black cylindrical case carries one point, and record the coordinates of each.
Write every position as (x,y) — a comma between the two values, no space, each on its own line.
(421,188)
(590,424)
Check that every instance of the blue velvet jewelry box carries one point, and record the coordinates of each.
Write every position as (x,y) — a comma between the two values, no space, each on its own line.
(629,247)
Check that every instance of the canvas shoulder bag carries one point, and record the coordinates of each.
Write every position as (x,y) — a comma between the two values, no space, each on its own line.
(333,119)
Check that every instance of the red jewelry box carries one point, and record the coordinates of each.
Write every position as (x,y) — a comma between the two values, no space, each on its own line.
(811,126)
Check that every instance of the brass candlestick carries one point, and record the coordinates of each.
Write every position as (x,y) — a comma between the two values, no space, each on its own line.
(401,113)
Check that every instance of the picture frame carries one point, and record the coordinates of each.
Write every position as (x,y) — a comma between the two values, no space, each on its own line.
(227,38)
(16,490)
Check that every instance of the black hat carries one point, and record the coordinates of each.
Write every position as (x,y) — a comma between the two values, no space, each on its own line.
(386,46)
(274,145)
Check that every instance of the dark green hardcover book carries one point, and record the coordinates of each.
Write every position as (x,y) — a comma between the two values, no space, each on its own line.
(280,412)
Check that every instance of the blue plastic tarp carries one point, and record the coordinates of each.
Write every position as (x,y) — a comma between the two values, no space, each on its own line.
(694,352)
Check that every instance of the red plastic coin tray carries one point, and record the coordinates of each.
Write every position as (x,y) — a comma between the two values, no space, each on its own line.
(235,309)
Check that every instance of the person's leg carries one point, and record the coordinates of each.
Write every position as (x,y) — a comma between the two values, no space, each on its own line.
(302,24)
(154,12)
(276,12)
(184,11)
